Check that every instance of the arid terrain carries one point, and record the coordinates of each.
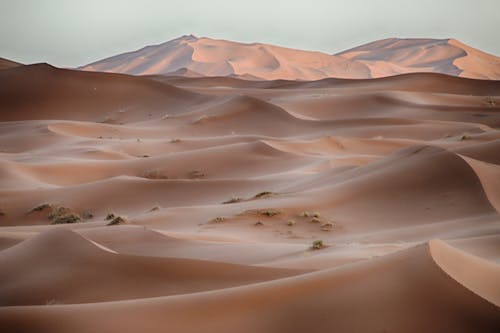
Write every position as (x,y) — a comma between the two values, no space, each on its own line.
(227,187)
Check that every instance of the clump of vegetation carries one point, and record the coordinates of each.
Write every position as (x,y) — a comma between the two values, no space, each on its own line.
(153,174)
(117,220)
(41,207)
(316,215)
(465,137)
(258,224)
(317,245)
(218,219)
(327,226)
(175,140)
(490,102)
(59,211)
(290,223)
(305,214)
(60,214)
(315,220)
(232,200)
(110,217)
(270,212)
(264,194)
(154,209)
(66,218)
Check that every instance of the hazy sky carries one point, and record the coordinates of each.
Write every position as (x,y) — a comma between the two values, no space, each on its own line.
(72,33)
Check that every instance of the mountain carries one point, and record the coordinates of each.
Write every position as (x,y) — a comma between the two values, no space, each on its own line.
(193,56)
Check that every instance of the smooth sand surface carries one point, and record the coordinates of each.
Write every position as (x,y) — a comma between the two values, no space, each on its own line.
(224,184)
(192,56)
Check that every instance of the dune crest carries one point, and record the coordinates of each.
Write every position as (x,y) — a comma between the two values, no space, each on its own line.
(192,56)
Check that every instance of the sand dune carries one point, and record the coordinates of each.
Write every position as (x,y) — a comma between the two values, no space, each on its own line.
(447,56)
(6,63)
(412,284)
(223,185)
(191,56)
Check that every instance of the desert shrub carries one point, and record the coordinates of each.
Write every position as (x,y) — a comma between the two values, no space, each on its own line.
(117,220)
(110,216)
(305,214)
(66,218)
(41,207)
(465,137)
(290,223)
(490,102)
(270,212)
(258,224)
(175,140)
(232,200)
(264,194)
(327,226)
(218,219)
(315,220)
(318,244)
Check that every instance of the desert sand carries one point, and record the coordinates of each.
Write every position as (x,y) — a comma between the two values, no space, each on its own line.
(192,56)
(193,203)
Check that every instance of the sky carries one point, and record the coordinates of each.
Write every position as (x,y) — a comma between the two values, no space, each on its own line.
(70,33)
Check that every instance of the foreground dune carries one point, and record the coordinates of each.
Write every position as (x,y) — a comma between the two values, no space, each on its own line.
(222,186)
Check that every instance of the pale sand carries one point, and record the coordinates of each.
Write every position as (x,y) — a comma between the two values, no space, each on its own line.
(405,168)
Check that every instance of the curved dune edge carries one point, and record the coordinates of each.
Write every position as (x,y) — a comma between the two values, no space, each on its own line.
(411,283)
(476,274)
(489,176)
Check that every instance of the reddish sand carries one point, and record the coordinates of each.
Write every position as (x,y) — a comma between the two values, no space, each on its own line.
(191,56)
(213,175)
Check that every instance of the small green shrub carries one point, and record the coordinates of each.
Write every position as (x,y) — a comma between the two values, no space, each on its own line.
(41,207)
(318,245)
(66,218)
(315,220)
(232,200)
(117,220)
(270,212)
(218,219)
(264,194)
(305,214)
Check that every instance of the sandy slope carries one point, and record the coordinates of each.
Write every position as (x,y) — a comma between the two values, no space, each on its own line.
(212,177)
(6,63)
(191,56)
